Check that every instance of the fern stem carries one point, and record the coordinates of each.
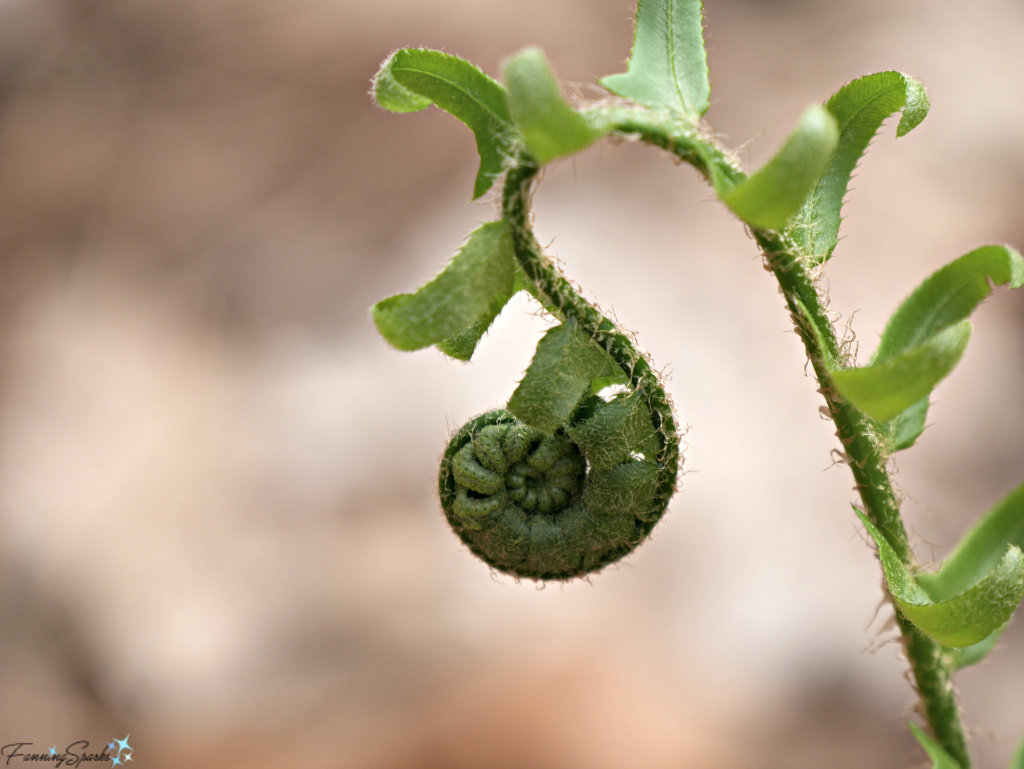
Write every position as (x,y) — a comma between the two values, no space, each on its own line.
(867,459)
(866,454)
(561,298)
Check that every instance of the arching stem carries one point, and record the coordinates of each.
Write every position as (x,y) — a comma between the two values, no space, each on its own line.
(932,668)
(557,293)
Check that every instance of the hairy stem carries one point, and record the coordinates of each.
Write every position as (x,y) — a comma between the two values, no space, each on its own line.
(867,458)
(561,297)
(866,454)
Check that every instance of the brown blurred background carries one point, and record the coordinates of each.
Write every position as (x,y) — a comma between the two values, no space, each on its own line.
(218,530)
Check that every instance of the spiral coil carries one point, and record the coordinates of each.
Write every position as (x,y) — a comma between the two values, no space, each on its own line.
(549,507)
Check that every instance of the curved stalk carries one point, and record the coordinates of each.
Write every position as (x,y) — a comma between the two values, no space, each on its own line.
(562,299)
(866,454)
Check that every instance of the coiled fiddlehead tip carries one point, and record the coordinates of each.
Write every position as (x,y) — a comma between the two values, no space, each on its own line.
(535,506)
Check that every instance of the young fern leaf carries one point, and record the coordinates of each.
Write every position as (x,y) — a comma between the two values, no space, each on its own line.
(463,345)
(859,107)
(923,342)
(550,127)
(940,758)
(981,549)
(412,79)
(528,504)
(479,277)
(566,362)
(963,619)
(949,295)
(668,68)
(768,198)
(609,437)
(902,431)
(577,482)
(887,388)
(978,553)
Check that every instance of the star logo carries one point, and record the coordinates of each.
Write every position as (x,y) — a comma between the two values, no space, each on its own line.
(53,750)
(123,744)
(127,756)
(116,760)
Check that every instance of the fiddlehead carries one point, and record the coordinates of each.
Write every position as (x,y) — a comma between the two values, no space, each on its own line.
(564,481)
(590,492)
(532,505)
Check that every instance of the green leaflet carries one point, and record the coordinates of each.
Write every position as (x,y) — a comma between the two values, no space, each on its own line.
(948,296)
(887,388)
(480,275)
(940,758)
(898,433)
(550,127)
(980,550)
(902,432)
(616,429)
(962,620)
(463,345)
(566,362)
(627,489)
(768,198)
(859,107)
(668,67)
(975,653)
(977,554)
(912,353)
(413,78)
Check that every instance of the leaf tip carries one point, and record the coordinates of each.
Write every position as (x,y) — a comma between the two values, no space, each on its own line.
(770,197)
(915,107)
(550,127)
(387,93)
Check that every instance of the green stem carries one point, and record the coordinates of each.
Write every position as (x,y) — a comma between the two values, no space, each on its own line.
(867,458)
(558,295)
(866,454)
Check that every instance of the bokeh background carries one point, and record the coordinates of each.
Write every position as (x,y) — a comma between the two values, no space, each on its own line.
(218,528)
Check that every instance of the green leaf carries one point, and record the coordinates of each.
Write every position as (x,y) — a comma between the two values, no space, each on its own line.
(566,362)
(463,345)
(940,758)
(975,653)
(413,78)
(625,489)
(550,127)
(962,620)
(860,108)
(902,431)
(768,198)
(885,389)
(477,277)
(978,553)
(938,305)
(981,549)
(948,296)
(668,68)
(616,429)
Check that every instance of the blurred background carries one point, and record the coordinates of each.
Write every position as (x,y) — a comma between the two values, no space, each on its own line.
(218,525)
